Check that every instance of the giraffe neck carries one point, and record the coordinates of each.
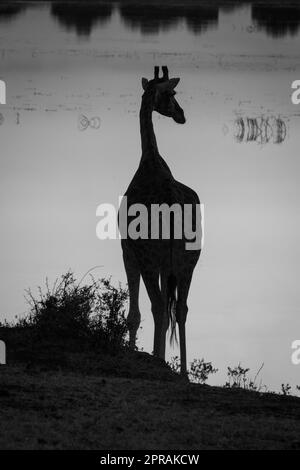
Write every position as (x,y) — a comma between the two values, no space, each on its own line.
(149,145)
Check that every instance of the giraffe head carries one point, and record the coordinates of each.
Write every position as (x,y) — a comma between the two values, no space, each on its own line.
(164,95)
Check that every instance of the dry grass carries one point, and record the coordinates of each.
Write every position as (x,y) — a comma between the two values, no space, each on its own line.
(62,409)
(67,385)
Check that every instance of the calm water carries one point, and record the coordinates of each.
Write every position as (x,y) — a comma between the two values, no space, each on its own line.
(64,65)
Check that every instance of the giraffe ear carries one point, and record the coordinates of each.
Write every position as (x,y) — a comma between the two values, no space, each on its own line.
(144,83)
(174,82)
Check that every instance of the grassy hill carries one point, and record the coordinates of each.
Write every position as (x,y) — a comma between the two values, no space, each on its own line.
(72,383)
(134,401)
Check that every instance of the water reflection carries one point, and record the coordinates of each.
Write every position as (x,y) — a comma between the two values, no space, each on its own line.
(277,21)
(84,122)
(58,86)
(232,6)
(10,11)
(149,18)
(261,130)
(82,17)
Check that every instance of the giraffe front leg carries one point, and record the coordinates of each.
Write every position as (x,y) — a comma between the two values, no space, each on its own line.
(151,281)
(134,315)
(160,328)
(133,323)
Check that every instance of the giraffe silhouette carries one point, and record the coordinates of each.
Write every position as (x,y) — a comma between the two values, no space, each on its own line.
(166,266)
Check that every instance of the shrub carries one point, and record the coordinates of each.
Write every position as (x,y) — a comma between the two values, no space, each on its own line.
(109,318)
(238,378)
(70,311)
(198,372)
(285,389)
(175,364)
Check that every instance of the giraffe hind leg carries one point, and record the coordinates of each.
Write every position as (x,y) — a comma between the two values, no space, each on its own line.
(181,314)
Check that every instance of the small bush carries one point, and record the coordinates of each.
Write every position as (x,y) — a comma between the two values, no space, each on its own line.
(198,372)
(238,378)
(69,311)
(175,364)
(109,318)
(285,389)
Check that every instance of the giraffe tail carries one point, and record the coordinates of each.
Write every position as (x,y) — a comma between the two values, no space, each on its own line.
(171,306)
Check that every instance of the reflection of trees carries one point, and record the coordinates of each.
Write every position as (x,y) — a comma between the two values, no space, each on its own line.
(151,18)
(81,17)
(201,19)
(234,5)
(277,21)
(261,130)
(8,12)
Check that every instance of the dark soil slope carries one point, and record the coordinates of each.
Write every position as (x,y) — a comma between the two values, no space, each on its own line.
(133,401)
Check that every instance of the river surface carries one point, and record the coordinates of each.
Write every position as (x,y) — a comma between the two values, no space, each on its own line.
(70,141)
